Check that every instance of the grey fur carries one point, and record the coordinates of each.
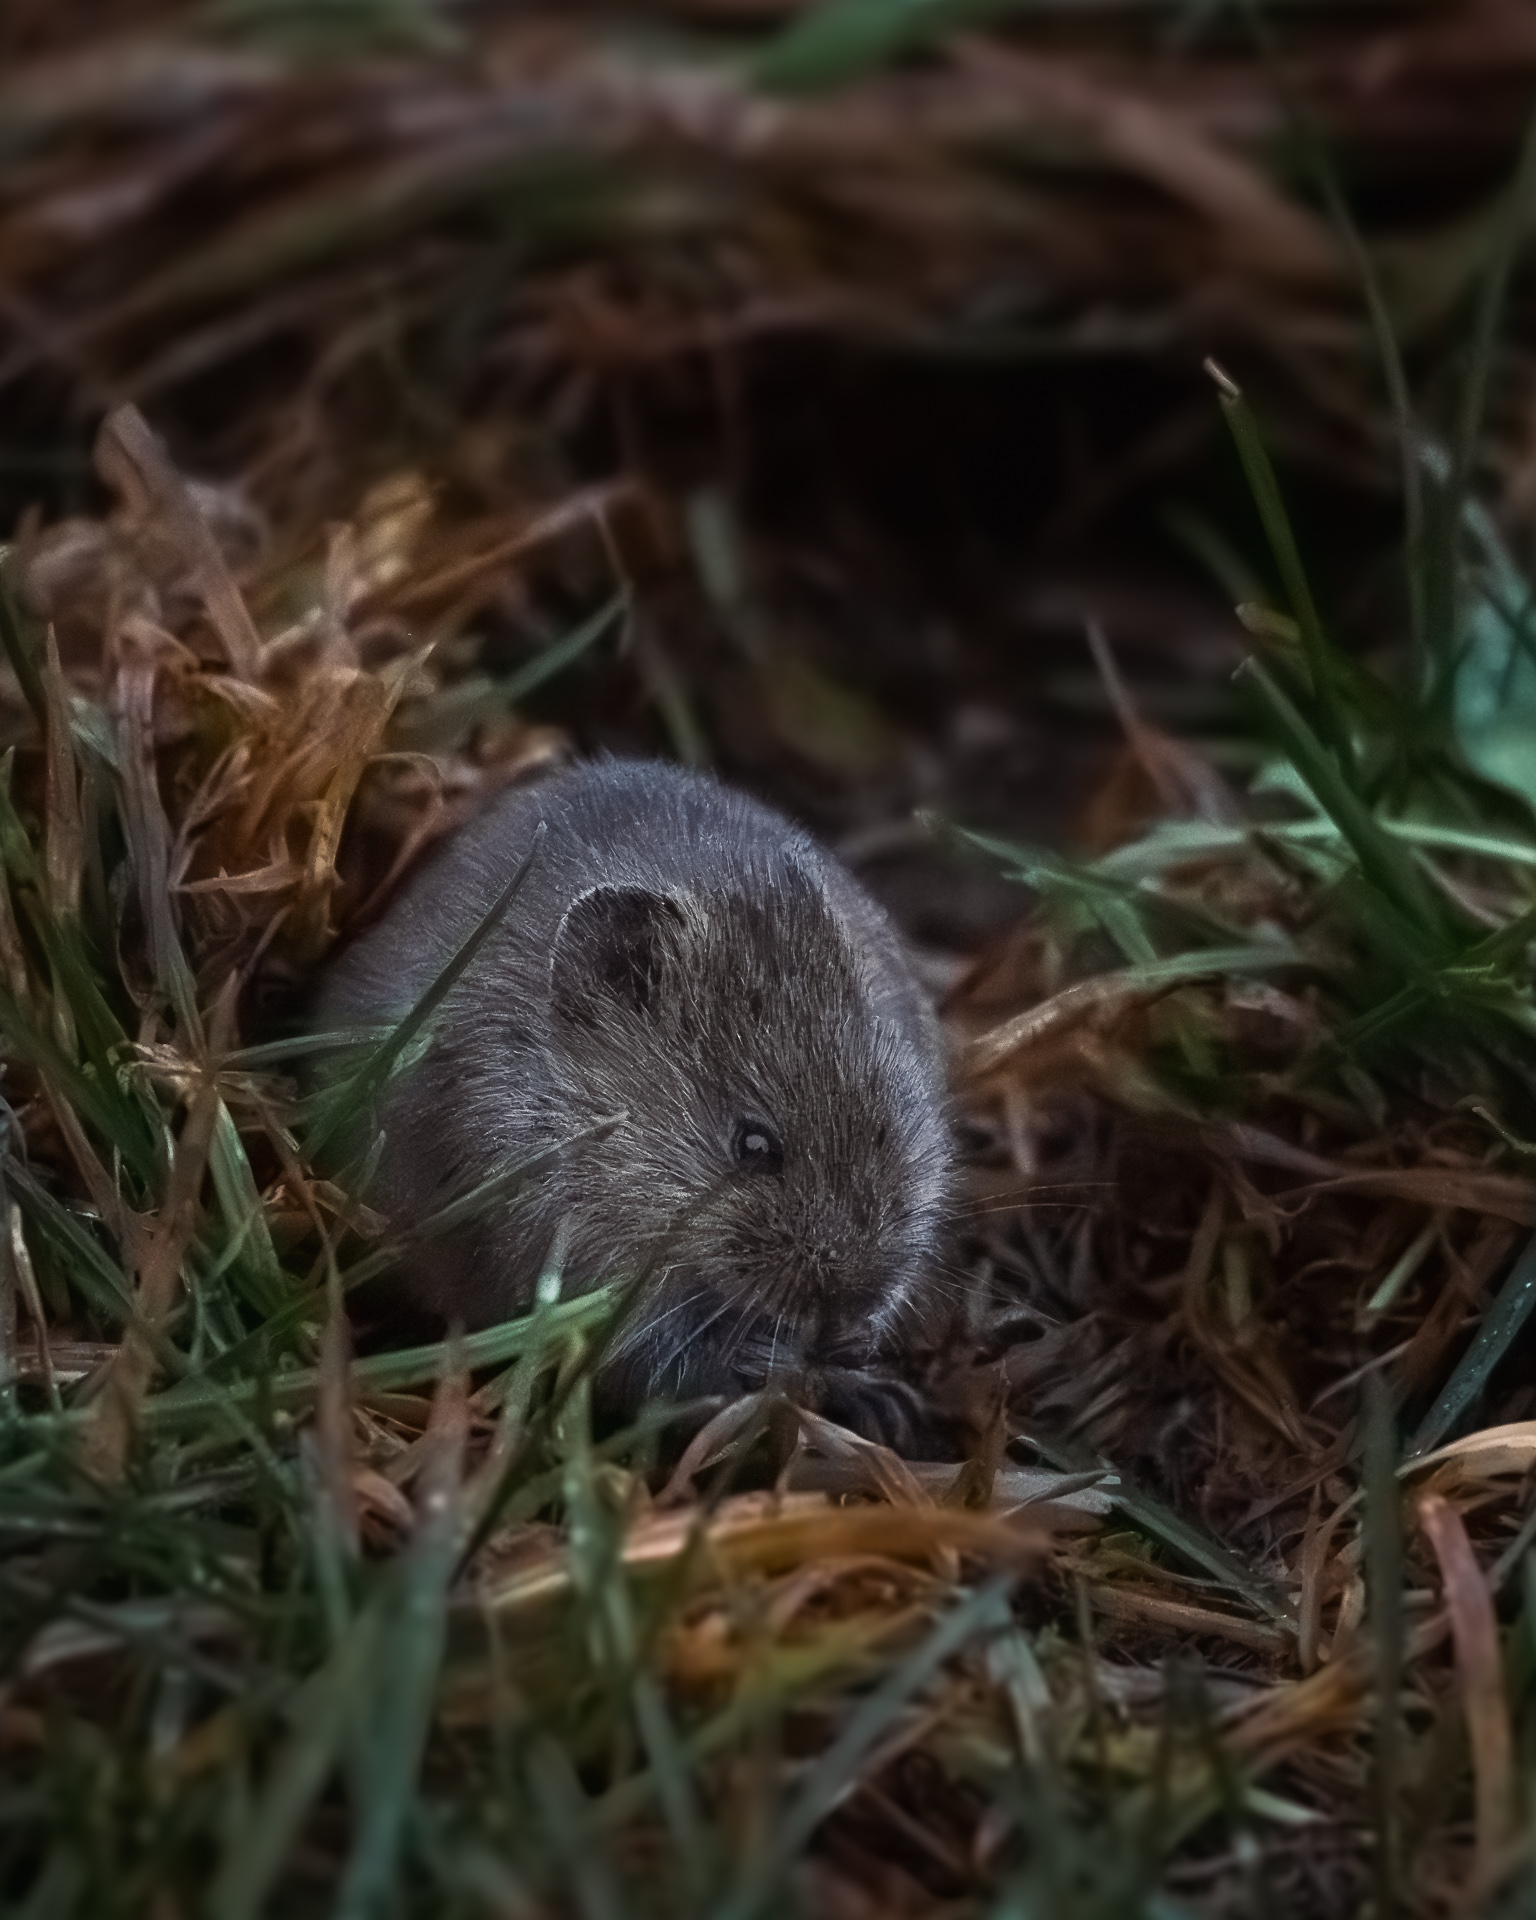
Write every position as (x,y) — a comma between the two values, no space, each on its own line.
(685,957)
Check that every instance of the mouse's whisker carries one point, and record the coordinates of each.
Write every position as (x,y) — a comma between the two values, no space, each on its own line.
(642,1326)
(660,1367)
(957,1287)
(1058,1194)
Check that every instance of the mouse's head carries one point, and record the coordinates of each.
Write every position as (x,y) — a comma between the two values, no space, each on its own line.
(782,1169)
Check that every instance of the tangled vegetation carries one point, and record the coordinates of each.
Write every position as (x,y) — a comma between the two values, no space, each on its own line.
(1222,1600)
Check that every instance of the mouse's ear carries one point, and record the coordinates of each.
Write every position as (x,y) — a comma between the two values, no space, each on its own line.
(609,950)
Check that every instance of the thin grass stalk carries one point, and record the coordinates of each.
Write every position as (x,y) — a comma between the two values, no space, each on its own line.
(361,1086)
(1384,1621)
(1510,1311)
(829,1778)
(1265,488)
(18,651)
(1389,353)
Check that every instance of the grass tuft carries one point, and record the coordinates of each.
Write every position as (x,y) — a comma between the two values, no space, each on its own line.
(1180,1628)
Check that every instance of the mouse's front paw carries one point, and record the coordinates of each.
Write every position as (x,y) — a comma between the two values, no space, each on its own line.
(877,1406)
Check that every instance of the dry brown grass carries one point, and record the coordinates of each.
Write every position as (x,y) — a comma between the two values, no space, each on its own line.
(1174,1630)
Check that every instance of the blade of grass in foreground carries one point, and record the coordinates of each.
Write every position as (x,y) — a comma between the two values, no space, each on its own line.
(833,1774)
(260,1848)
(675,1790)
(193,1400)
(502,1184)
(248,1236)
(300,1046)
(393,1742)
(1265,489)
(353,1094)
(1191,1542)
(616,1635)
(1385,862)
(1114,899)
(1501,1323)
(21,654)
(110,1113)
(567,1813)
(92,1271)
(1384,1590)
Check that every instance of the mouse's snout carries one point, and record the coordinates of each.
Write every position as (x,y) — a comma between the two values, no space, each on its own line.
(820,1263)
(847,1291)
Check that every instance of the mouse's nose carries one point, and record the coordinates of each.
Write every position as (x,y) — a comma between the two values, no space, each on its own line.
(820,1264)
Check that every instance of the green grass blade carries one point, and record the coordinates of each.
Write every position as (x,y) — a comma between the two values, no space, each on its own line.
(1389,356)
(1386,866)
(301,1046)
(1191,1542)
(260,1848)
(1502,1322)
(1265,488)
(245,1221)
(837,41)
(358,1090)
(502,1184)
(556,658)
(19,651)
(412,1643)
(92,1270)
(1103,889)
(571,1830)
(834,1771)
(193,1399)
(674,1786)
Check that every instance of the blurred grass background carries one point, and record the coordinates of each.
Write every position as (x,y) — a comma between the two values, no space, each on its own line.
(397,394)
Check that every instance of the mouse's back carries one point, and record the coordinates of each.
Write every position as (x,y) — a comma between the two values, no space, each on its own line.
(639,823)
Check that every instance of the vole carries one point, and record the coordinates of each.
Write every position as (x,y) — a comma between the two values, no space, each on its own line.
(684,961)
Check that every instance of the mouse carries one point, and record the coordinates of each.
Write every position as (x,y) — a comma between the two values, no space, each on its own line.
(706,1043)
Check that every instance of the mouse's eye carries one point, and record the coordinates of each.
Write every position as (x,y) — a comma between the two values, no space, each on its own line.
(757,1147)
